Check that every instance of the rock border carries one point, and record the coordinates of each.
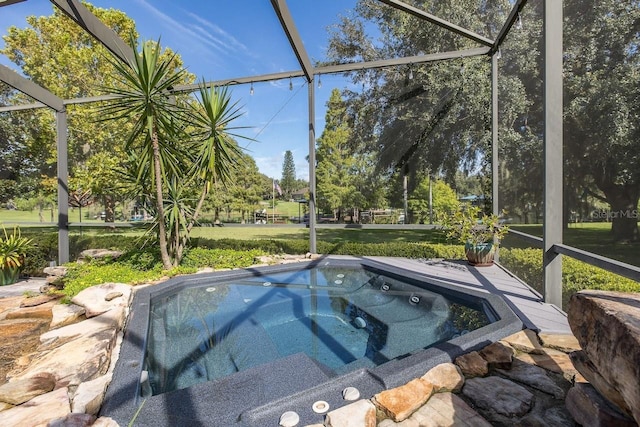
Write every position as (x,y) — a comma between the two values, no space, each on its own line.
(522,379)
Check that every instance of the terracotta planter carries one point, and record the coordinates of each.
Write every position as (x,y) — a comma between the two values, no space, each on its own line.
(480,255)
(9,275)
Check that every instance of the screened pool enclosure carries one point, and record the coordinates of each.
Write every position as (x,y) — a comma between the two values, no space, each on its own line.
(442,87)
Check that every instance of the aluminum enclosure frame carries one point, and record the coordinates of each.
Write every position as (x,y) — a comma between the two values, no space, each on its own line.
(553,106)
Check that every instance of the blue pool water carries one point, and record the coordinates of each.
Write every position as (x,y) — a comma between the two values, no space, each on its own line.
(343,317)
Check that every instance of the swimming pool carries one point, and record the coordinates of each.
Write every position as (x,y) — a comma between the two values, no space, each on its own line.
(238,348)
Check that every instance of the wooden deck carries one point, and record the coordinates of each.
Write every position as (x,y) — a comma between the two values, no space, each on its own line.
(522,299)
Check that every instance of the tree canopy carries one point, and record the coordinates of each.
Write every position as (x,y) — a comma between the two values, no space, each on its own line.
(56,53)
(288,181)
(435,117)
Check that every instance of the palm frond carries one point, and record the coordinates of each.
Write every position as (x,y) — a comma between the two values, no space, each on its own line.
(217,152)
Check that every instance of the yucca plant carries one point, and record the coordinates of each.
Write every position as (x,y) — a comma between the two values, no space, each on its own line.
(143,96)
(176,146)
(13,250)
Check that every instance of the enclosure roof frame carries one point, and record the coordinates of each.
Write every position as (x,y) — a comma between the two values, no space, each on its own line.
(553,107)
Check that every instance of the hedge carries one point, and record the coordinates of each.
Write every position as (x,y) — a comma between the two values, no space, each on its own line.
(45,248)
(576,275)
(229,253)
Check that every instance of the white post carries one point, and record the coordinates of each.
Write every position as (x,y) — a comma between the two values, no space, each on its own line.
(553,177)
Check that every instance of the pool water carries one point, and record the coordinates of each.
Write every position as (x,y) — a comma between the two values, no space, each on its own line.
(343,317)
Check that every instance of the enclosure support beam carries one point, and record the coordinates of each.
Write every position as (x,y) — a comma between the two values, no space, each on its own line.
(329,69)
(494,145)
(63,188)
(421,14)
(289,27)
(553,179)
(514,16)
(8,2)
(30,88)
(47,98)
(92,25)
(312,168)
(494,134)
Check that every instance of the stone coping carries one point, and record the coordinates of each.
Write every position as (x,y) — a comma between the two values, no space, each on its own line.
(536,376)
(533,370)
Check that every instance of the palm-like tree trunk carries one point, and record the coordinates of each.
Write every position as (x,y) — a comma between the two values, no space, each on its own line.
(194,218)
(162,232)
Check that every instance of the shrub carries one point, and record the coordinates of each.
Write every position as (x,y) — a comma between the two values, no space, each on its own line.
(397,249)
(82,276)
(45,247)
(142,260)
(576,275)
(43,250)
(526,264)
(219,258)
(137,267)
(271,246)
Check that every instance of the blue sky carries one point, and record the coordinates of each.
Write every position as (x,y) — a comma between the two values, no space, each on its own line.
(224,39)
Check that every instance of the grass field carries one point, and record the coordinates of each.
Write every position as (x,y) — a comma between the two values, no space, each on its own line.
(11,217)
(592,237)
(333,235)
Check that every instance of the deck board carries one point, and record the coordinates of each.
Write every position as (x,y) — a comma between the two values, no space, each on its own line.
(522,299)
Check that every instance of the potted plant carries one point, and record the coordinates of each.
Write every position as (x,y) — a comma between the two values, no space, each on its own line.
(480,233)
(13,250)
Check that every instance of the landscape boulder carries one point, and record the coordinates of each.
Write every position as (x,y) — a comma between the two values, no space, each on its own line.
(100,298)
(445,377)
(18,392)
(39,410)
(607,327)
(90,254)
(589,408)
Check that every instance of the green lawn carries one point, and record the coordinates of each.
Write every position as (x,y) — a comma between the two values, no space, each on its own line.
(593,237)
(284,208)
(333,235)
(11,217)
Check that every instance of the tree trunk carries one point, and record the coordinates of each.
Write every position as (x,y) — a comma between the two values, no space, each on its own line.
(184,239)
(109,208)
(162,232)
(126,214)
(623,200)
(624,215)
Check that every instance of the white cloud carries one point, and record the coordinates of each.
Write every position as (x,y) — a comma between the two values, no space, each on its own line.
(225,39)
(302,170)
(166,18)
(270,166)
(199,37)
